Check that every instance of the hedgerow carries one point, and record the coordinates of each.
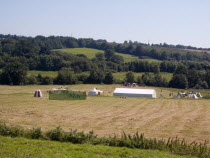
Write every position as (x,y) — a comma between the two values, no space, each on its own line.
(173,145)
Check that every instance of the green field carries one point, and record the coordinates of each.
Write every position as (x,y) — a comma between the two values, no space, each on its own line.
(122,75)
(27,148)
(43,73)
(90,53)
(118,75)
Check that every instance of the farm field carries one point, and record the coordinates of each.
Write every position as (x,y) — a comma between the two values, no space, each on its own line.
(90,53)
(122,75)
(26,148)
(194,50)
(107,115)
(117,75)
(43,73)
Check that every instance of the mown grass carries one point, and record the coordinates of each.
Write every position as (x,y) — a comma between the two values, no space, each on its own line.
(159,118)
(27,148)
(90,53)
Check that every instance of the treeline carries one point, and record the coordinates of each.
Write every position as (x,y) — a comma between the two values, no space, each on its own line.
(11,44)
(15,73)
(179,46)
(19,54)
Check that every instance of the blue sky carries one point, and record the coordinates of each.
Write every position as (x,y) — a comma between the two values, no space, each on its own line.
(184,22)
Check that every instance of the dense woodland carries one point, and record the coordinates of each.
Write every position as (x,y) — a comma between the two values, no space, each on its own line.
(18,54)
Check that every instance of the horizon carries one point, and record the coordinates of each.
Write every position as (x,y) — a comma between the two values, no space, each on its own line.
(104,39)
(178,23)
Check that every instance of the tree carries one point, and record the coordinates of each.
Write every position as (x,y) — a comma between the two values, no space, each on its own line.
(201,85)
(117,59)
(207,77)
(44,50)
(130,77)
(14,74)
(8,46)
(25,48)
(109,54)
(140,80)
(193,78)
(159,81)
(179,81)
(109,78)
(65,76)
(96,76)
(156,69)
(100,56)
(139,51)
(181,69)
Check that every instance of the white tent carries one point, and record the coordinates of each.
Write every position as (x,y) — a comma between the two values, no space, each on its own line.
(38,93)
(199,95)
(129,92)
(94,91)
(193,96)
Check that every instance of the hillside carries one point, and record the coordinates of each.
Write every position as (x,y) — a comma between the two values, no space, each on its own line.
(90,53)
(117,75)
(27,148)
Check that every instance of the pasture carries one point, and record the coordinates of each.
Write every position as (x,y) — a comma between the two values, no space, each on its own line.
(117,75)
(43,73)
(107,115)
(90,53)
(122,75)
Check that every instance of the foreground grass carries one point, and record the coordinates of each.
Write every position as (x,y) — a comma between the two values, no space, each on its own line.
(21,147)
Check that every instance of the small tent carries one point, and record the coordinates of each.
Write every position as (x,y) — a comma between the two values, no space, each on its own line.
(38,93)
(193,96)
(94,91)
(199,95)
(129,92)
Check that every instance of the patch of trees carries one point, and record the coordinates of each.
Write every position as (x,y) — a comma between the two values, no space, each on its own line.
(19,54)
(190,78)
(26,46)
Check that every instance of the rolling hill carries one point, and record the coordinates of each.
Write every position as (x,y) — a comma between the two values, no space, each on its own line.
(90,53)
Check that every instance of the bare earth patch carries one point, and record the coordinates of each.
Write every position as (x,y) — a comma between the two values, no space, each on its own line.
(194,50)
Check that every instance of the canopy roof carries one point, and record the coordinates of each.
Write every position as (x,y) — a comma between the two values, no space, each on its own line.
(93,90)
(134,91)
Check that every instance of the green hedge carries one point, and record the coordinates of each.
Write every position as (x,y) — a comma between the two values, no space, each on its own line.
(67,95)
(173,145)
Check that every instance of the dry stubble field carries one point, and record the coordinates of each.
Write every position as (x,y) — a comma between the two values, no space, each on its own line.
(106,115)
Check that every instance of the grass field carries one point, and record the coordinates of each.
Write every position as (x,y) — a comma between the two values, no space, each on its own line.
(122,75)
(90,53)
(106,115)
(194,50)
(43,73)
(26,148)
(118,75)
